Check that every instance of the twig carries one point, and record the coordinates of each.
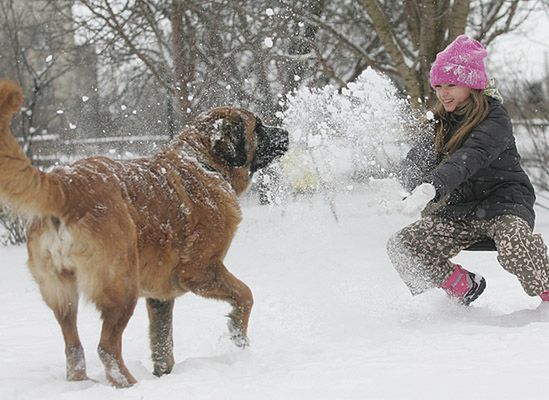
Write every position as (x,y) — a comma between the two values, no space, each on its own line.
(323,187)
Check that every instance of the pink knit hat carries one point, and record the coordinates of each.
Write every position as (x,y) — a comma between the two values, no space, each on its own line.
(460,63)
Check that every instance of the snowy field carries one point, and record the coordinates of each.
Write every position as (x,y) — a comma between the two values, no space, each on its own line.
(332,320)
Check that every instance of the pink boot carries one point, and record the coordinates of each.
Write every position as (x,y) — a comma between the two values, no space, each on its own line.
(463,285)
(544,295)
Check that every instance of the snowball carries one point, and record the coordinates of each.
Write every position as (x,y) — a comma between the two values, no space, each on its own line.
(268,42)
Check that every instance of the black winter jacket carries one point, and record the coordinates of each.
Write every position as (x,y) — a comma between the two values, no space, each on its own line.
(482,179)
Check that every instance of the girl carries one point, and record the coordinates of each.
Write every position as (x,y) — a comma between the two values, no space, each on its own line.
(471,172)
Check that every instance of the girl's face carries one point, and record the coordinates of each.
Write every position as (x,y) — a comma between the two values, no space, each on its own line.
(452,96)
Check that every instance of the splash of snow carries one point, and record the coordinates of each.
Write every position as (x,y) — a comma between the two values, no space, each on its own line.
(361,130)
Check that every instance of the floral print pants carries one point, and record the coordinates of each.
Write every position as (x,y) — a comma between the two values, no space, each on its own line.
(421,251)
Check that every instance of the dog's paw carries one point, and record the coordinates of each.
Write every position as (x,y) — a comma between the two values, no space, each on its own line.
(239,338)
(76,376)
(162,368)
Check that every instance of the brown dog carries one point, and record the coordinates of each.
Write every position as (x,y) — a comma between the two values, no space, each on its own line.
(156,227)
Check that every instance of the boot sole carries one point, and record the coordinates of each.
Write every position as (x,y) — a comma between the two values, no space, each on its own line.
(478,292)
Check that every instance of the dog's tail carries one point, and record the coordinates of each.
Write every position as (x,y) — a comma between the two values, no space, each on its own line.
(24,188)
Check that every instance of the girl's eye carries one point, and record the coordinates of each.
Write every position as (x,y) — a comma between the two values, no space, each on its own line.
(451,85)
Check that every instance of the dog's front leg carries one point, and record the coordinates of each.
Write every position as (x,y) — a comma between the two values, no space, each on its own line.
(222,285)
(161,334)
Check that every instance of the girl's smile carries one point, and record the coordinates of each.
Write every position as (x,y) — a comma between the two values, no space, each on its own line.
(451,95)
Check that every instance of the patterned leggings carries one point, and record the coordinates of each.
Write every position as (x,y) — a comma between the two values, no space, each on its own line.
(421,251)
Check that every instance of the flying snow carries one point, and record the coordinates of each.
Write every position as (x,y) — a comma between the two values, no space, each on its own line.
(358,132)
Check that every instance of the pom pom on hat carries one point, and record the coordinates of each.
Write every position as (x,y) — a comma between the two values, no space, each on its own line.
(461,63)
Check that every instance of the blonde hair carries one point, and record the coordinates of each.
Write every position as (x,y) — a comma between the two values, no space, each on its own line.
(472,111)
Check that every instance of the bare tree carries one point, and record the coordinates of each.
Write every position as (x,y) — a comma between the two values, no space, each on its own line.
(38,56)
(403,38)
(528,103)
(198,54)
(26,58)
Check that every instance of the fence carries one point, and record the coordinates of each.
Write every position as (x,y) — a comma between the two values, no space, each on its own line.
(49,150)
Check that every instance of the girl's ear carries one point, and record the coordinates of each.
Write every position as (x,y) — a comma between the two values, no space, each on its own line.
(229,141)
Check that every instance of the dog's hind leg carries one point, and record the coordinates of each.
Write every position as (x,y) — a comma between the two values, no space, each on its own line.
(61,295)
(161,334)
(116,306)
(74,353)
(225,286)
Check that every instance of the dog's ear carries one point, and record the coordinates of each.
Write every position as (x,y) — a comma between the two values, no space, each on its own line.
(229,140)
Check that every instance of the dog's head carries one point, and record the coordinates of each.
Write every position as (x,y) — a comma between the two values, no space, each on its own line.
(239,139)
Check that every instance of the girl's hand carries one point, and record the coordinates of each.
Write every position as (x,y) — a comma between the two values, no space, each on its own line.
(413,204)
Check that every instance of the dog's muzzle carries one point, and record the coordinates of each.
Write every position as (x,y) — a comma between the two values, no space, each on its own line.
(272,143)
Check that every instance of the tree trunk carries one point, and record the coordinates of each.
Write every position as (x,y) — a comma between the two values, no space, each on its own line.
(182,80)
(385,31)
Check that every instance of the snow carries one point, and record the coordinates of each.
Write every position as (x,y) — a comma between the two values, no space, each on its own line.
(331,320)
(366,128)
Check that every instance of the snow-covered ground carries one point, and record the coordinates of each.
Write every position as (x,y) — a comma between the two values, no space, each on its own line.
(332,320)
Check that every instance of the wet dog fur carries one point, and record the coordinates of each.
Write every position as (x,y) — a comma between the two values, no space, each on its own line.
(156,227)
